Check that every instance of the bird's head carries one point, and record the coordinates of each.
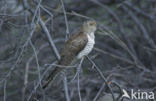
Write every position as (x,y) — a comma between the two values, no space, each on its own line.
(89,26)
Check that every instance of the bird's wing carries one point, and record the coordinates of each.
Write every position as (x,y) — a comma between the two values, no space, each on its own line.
(72,47)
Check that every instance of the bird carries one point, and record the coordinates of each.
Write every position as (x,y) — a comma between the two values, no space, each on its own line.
(79,45)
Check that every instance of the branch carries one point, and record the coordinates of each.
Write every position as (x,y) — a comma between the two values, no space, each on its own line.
(66,88)
(4,97)
(66,21)
(101,74)
(50,40)
(141,26)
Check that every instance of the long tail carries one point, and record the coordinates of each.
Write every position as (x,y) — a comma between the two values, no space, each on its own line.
(65,62)
(52,75)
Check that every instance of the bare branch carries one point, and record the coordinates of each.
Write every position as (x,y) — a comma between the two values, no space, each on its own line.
(4,97)
(66,88)
(66,20)
(101,74)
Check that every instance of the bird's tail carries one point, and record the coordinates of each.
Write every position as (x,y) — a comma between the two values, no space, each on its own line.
(57,70)
(51,77)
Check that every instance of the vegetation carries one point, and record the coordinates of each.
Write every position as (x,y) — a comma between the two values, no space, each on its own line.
(32,33)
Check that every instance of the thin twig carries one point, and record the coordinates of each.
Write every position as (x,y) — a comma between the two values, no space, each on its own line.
(99,92)
(50,39)
(78,80)
(37,63)
(45,29)
(27,70)
(101,74)
(4,97)
(66,20)
(38,83)
(66,88)
(78,87)
(122,44)
(70,13)
(21,53)
(141,26)
(78,69)
(141,12)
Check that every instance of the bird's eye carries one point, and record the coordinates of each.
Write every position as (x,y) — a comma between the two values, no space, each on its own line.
(91,24)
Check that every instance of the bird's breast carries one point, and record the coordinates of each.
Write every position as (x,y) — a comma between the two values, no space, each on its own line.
(88,48)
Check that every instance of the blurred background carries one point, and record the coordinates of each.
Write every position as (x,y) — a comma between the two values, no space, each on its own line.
(32,33)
